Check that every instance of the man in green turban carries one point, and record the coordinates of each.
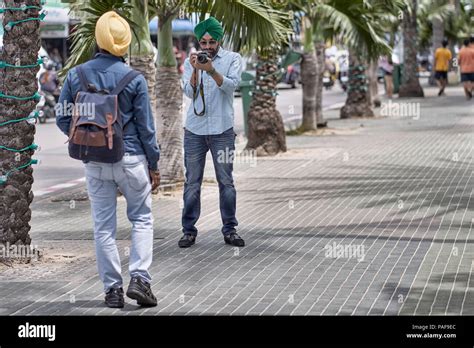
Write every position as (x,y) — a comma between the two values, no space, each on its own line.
(210,81)
(210,26)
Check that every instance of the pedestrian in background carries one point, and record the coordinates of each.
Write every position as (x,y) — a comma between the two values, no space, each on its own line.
(466,63)
(387,67)
(442,57)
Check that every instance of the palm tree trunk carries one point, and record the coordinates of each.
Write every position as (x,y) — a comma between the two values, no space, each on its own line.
(21,43)
(266,130)
(308,79)
(169,105)
(410,85)
(319,49)
(141,49)
(358,97)
(373,84)
(146,65)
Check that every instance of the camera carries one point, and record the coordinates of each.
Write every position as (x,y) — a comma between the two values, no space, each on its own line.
(202,57)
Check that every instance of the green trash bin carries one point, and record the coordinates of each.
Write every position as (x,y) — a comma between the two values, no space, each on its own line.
(397,77)
(247,84)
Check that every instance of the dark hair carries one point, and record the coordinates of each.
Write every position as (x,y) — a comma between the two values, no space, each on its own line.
(444,43)
(471,40)
(97,49)
(466,42)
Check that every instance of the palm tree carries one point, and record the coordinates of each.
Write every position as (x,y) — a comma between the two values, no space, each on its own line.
(311,79)
(169,94)
(141,48)
(21,45)
(367,44)
(410,86)
(356,24)
(266,132)
(266,135)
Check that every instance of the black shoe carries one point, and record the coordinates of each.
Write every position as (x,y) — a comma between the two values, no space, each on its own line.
(234,239)
(140,290)
(114,298)
(186,241)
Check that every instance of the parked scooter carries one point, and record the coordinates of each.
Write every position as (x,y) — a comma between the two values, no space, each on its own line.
(49,91)
(46,106)
(343,61)
(344,80)
(328,80)
(292,75)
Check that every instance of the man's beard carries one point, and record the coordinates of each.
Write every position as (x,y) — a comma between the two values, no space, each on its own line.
(211,52)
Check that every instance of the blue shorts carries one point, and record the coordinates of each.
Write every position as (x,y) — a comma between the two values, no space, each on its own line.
(465,77)
(441,75)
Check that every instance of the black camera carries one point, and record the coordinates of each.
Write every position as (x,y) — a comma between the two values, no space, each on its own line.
(202,57)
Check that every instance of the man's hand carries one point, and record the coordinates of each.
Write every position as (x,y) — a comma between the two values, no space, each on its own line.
(194,62)
(155,179)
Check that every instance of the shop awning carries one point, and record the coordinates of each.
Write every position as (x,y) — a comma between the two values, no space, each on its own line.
(178,26)
(55,24)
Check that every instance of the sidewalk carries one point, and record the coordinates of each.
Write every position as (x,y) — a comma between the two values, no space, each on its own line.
(391,196)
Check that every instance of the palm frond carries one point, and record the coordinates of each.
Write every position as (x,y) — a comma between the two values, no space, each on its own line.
(248,24)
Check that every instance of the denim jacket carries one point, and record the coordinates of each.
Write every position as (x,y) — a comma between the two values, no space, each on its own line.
(105,71)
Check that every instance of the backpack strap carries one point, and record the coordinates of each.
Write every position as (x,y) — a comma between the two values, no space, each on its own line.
(124,82)
(82,78)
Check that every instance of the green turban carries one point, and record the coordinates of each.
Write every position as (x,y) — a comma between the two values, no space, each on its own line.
(211,26)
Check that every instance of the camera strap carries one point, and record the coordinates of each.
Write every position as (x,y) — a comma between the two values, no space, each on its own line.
(195,96)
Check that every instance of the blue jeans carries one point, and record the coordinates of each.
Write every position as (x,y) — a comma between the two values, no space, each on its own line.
(222,147)
(131,176)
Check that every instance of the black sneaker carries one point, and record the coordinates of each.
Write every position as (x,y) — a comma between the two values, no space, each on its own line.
(186,241)
(234,239)
(114,298)
(140,290)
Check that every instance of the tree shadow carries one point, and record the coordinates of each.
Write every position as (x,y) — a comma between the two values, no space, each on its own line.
(452,287)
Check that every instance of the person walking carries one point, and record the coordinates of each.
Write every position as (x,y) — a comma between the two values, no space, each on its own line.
(466,63)
(387,67)
(210,78)
(136,174)
(442,57)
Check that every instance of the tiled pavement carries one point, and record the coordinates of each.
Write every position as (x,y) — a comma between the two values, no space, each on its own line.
(398,189)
